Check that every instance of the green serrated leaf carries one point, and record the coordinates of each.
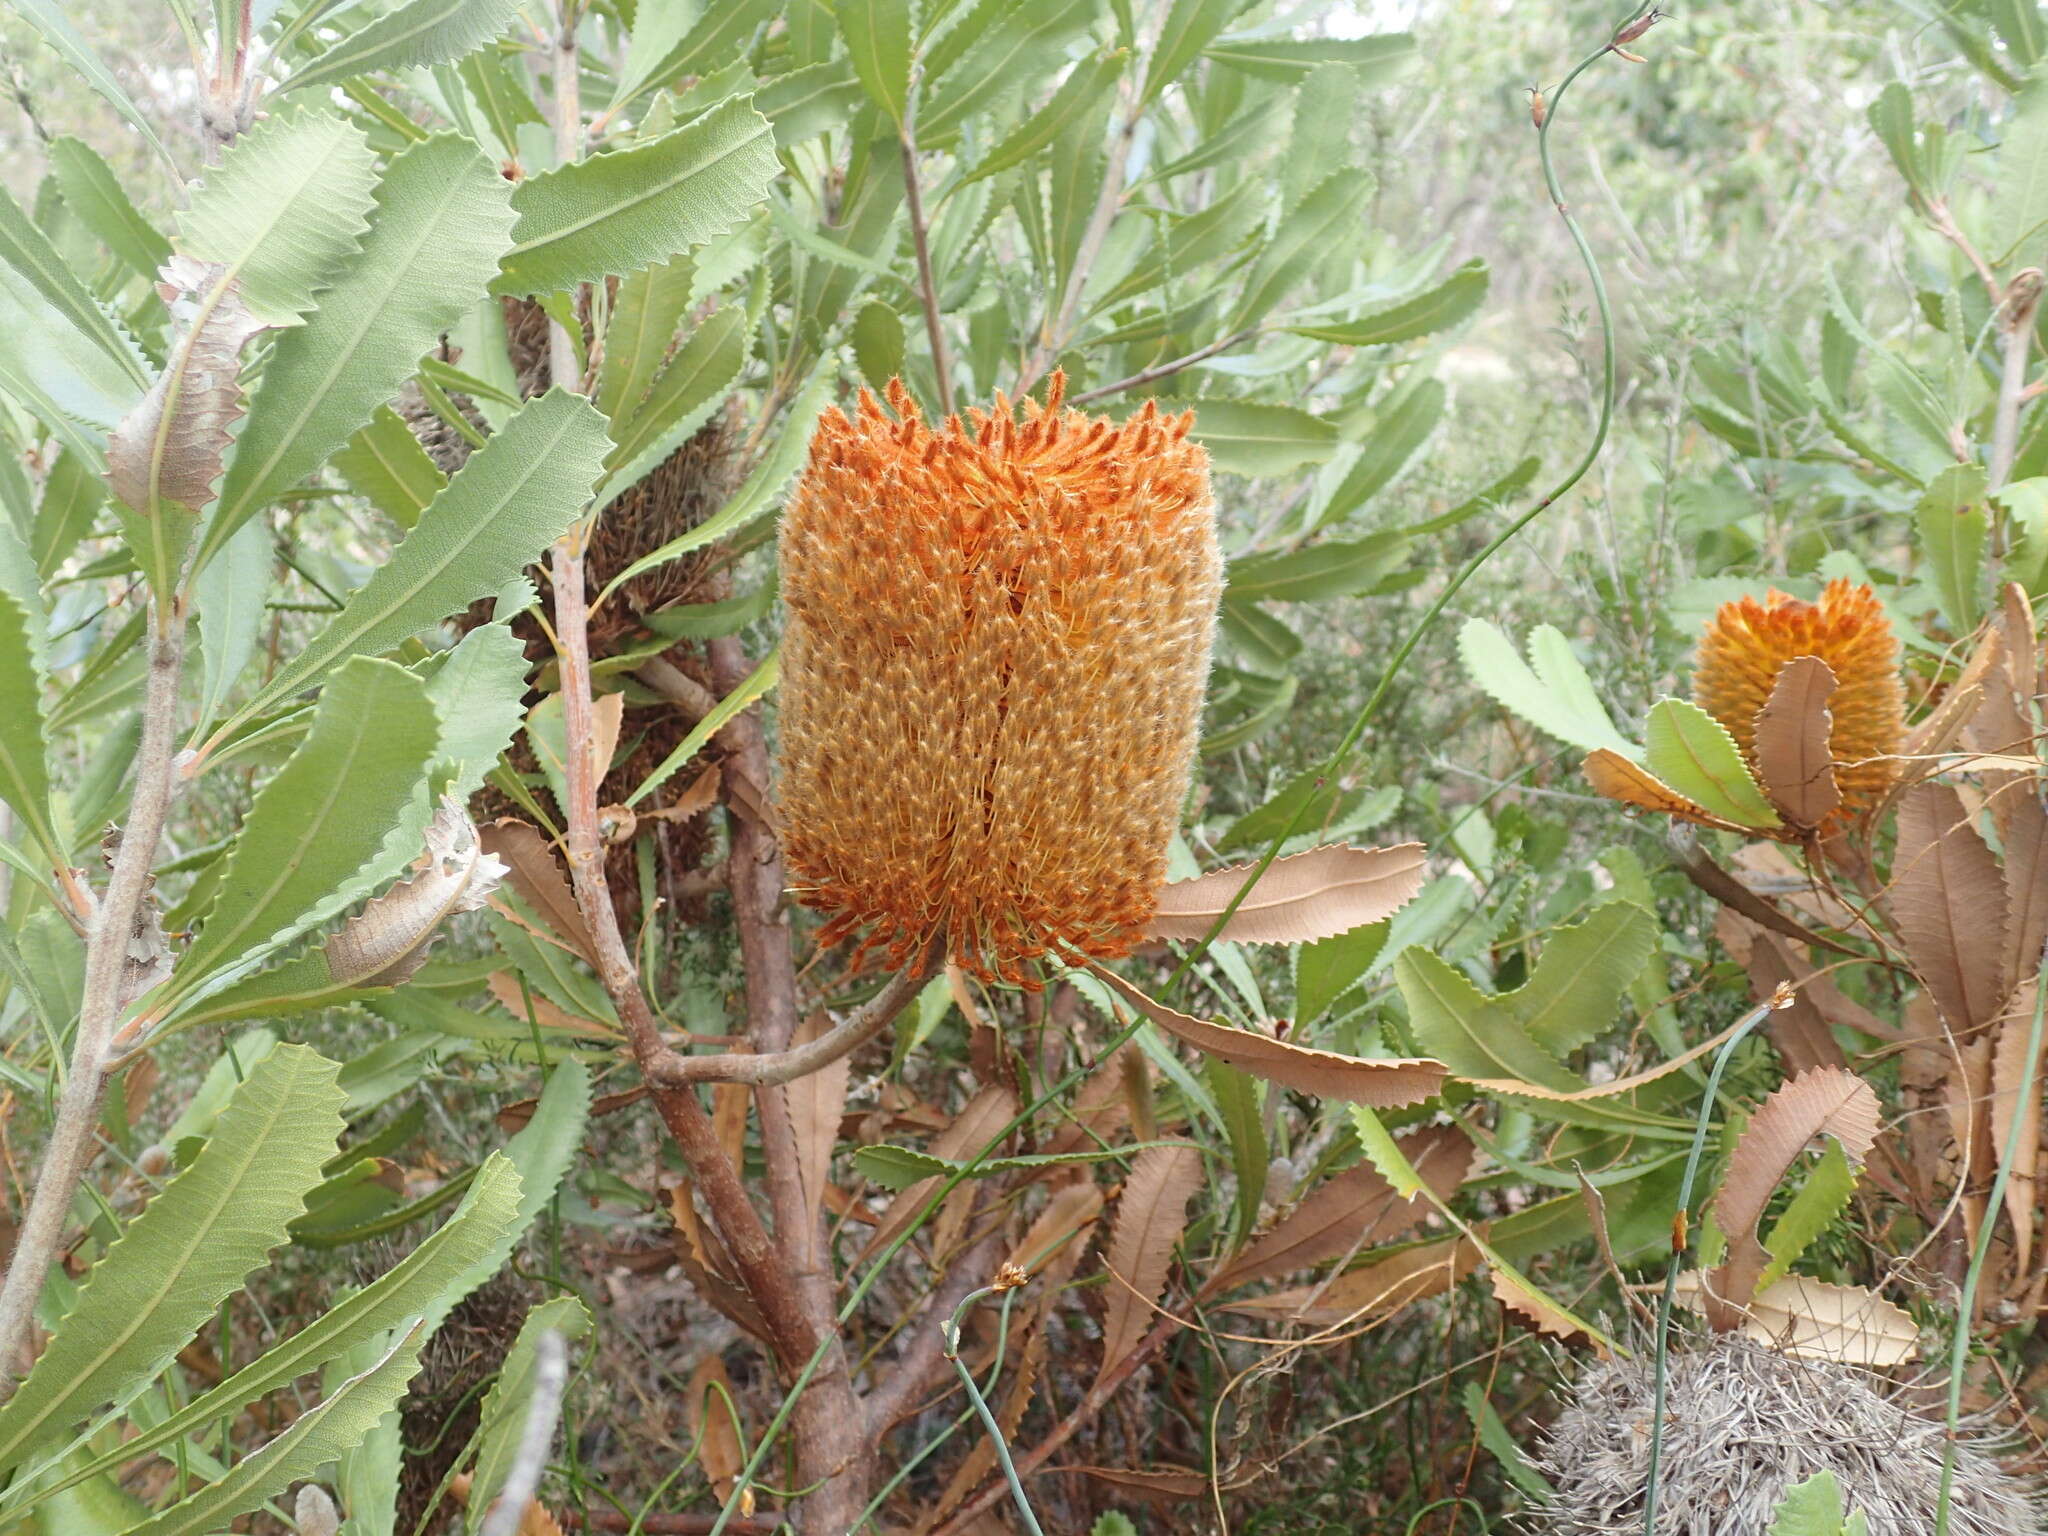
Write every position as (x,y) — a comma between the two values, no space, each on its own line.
(762,486)
(878,343)
(442,220)
(649,307)
(316,826)
(720,33)
(1450,302)
(1560,702)
(1079,100)
(751,688)
(193,1245)
(423,1286)
(1379,60)
(1821,1199)
(1954,530)
(1245,437)
(1810,1508)
(24,773)
(1891,118)
(1329,217)
(1022,44)
(877,35)
(1326,969)
(285,207)
(316,1437)
(683,396)
(385,463)
(1189,26)
(2018,208)
(56,29)
(1399,428)
(503,1419)
(514,497)
(414,36)
(1692,752)
(229,598)
(92,192)
(614,213)
(476,691)
(1476,1036)
(1332,568)
(1582,975)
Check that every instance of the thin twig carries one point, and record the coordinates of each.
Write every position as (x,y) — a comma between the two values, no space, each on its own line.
(72,1139)
(674,1069)
(1164,370)
(928,288)
(690,697)
(568,147)
(550,1375)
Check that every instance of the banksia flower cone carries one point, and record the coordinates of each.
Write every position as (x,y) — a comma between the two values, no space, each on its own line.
(992,676)
(1748,641)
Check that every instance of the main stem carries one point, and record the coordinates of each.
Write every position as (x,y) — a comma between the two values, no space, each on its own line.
(72,1140)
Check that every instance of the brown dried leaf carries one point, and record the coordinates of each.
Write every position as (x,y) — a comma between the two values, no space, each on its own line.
(715,1426)
(814,1103)
(1061,1231)
(169,448)
(1949,898)
(1379,1082)
(1151,1214)
(971,1130)
(703,1261)
(1155,1485)
(504,989)
(1792,732)
(1617,778)
(2009,1066)
(697,797)
(1522,1088)
(1308,896)
(1354,1210)
(1378,1289)
(2016,630)
(2014,799)
(1818,1321)
(1100,1107)
(386,942)
(1702,871)
(1825,1101)
(1799,1032)
(1944,726)
(536,874)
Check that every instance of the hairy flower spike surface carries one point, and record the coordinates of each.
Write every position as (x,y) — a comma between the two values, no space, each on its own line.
(1748,641)
(992,675)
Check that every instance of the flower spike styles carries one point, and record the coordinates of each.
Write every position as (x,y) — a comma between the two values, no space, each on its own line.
(992,677)
(1746,643)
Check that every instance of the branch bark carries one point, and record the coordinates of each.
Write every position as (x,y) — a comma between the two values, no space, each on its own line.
(72,1138)
(764,1071)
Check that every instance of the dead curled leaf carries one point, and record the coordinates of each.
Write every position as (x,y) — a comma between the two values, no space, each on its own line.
(1793,759)
(714,1425)
(1353,1210)
(1617,778)
(1948,896)
(1827,1101)
(1375,1290)
(1379,1082)
(1155,1485)
(1531,1305)
(1818,1321)
(1301,898)
(1151,1214)
(2009,1072)
(536,874)
(387,941)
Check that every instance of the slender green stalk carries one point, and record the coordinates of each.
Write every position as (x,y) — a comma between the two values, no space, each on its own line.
(1679,1245)
(1966,1303)
(988,1418)
(1339,758)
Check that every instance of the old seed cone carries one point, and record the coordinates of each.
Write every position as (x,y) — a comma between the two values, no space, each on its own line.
(992,676)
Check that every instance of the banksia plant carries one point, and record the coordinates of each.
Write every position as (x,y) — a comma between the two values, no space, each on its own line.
(992,676)
(1746,644)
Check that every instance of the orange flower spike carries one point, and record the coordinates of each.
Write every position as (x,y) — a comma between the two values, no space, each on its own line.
(992,676)
(1746,643)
